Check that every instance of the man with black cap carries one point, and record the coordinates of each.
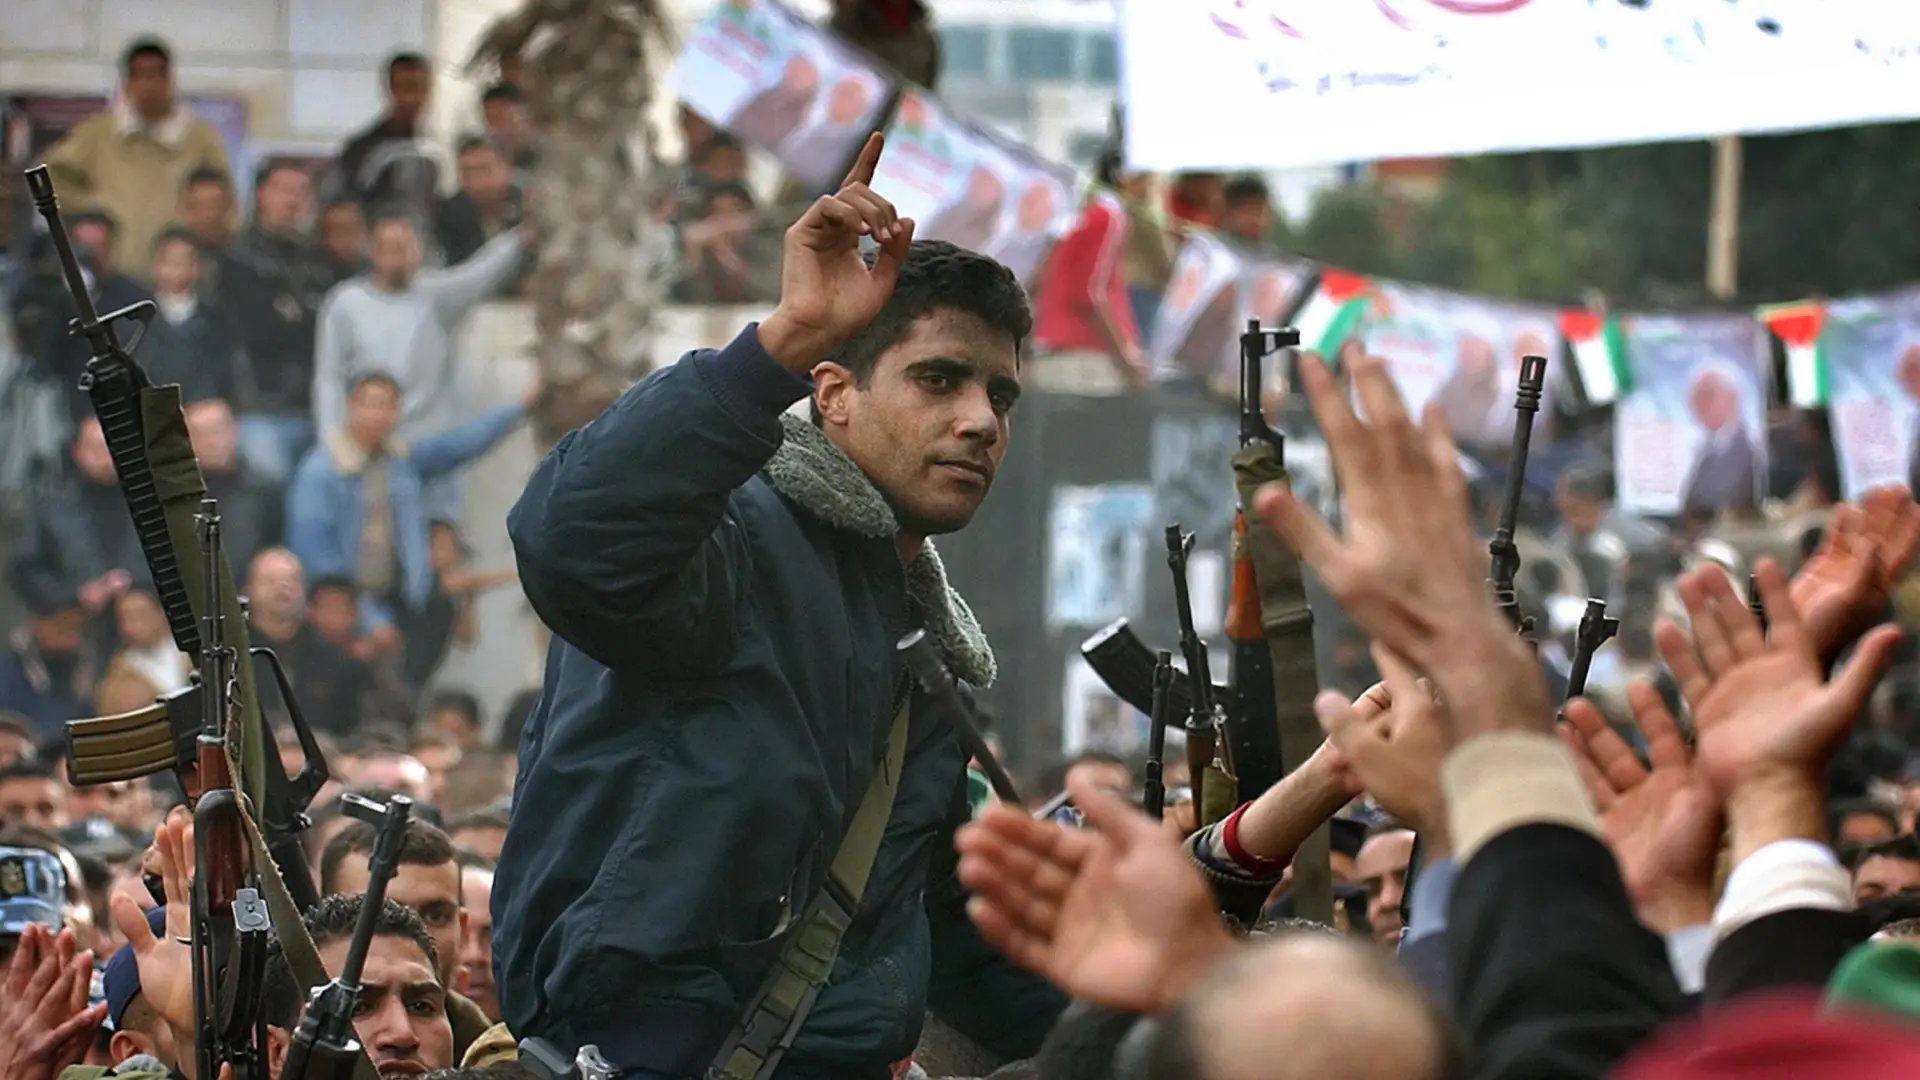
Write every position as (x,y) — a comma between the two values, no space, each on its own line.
(143,1046)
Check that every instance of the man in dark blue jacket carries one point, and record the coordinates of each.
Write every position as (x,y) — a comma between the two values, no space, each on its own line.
(726,585)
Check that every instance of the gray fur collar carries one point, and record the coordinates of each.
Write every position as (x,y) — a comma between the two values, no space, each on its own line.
(826,483)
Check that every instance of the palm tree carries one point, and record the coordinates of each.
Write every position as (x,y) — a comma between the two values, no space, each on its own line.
(590,69)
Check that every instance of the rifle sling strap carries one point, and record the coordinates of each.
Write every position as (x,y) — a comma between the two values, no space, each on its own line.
(774,1017)
(1288,622)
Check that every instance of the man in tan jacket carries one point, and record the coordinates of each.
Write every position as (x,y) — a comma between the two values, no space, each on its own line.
(132,159)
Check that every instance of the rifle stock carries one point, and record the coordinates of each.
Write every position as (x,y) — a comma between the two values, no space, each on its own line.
(1125,664)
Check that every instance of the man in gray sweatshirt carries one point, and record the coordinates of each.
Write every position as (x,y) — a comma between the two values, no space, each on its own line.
(401,320)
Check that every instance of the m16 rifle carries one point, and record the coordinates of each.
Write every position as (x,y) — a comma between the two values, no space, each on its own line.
(212,735)
(1504,557)
(324,1047)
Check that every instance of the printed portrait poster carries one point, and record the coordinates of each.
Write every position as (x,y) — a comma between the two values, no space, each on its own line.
(1265,290)
(1196,334)
(1092,717)
(1464,352)
(1097,553)
(962,184)
(760,71)
(1691,434)
(1871,346)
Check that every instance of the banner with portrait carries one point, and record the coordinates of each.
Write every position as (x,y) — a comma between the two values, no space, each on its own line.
(762,72)
(1691,433)
(1195,331)
(1871,350)
(1463,352)
(965,185)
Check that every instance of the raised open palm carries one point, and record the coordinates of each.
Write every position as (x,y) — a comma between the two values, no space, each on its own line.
(1660,820)
(1114,913)
(1849,580)
(1762,703)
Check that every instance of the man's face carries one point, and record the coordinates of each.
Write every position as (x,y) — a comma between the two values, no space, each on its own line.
(1714,402)
(283,199)
(140,620)
(1104,775)
(431,892)
(483,176)
(1250,219)
(97,237)
(931,424)
(343,232)
(276,587)
(396,772)
(1863,829)
(725,165)
(28,800)
(149,87)
(505,120)
(214,434)
(205,209)
(401,1013)
(1580,514)
(1884,875)
(59,633)
(333,613)
(732,210)
(476,945)
(1382,867)
(407,88)
(372,411)
(176,267)
(396,251)
(113,801)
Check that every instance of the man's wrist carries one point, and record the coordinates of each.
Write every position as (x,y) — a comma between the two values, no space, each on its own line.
(1769,806)
(1676,908)
(797,348)
(1490,681)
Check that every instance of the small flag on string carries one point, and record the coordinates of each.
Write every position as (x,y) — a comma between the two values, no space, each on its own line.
(1599,354)
(1332,313)
(1799,327)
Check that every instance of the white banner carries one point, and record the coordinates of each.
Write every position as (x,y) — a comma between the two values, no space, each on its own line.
(1246,84)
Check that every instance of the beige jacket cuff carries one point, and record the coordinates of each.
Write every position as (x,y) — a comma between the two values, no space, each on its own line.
(1502,781)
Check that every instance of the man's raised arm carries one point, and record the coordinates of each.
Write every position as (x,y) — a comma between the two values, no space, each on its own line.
(623,538)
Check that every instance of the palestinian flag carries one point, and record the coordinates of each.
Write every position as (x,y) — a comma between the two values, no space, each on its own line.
(1599,354)
(1332,312)
(1799,326)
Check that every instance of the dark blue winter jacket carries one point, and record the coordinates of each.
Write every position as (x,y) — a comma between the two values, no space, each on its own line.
(725,595)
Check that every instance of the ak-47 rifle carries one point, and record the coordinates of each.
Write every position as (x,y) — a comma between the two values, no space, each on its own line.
(1126,665)
(230,924)
(936,682)
(1206,721)
(212,735)
(1155,800)
(1595,628)
(323,1047)
(1504,561)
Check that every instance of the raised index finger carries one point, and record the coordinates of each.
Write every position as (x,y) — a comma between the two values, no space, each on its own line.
(869,158)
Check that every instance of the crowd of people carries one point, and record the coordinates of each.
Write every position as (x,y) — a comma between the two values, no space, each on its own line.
(723,806)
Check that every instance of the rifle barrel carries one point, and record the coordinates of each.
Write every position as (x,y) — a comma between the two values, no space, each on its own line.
(40,184)
(1155,800)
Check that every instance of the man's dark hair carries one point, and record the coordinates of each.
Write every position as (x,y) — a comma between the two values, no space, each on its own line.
(459,701)
(710,192)
(1840,811)
(499,1070)
(503,92)
(423,845)
(173,234)
(937,276)
(369,378)
(1901,929)
(389,213)
(722,140)
(205,175)
(331,920)
(95,215)
(1083,1041)
(343,203)
(145,47)
(479,819)
(473,141)
(265,171)
(331,582)
(401,60)
(28,769)
(515,720)
(1245,189)
(13,723)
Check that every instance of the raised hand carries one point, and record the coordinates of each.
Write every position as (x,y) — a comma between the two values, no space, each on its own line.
(1661,821)
(1114,913)
(1394,747)
(1763,707)
(1408,568)
(827,290)
(1848,582)
(165,963)
(45,1021)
